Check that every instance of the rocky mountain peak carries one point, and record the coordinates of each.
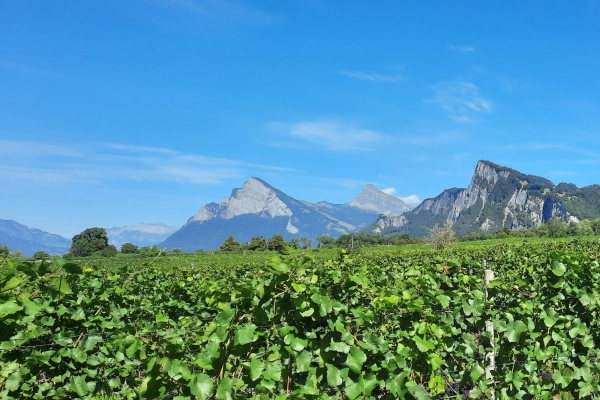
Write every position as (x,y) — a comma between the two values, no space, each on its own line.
(374,199)
(489,172)
(254,197)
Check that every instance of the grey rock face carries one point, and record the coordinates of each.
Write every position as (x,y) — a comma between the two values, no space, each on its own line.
(374,199)
(496,197)
(258,209)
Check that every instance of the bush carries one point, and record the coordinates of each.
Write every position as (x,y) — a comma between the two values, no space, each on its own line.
(109,251)
(440,237)
(230,244)
(129,248)
(148,251)
(89,242)
(4,251)
(41,255)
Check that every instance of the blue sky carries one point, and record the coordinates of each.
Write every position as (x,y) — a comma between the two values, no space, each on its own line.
(120,112)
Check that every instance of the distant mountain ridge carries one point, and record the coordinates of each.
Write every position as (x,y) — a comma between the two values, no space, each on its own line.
(497,197)
(141,235)
(29,240)
(259,209)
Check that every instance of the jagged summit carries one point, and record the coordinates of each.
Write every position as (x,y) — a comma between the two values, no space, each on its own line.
(259,209)
(496,197)
(254,197)
(374,199)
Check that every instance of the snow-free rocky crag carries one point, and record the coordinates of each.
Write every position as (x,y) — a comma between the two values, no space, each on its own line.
(259,209)
(497,197)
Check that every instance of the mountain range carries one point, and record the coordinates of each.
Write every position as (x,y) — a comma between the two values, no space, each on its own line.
(29,240)
(259,209)
(497,197)
(141,234)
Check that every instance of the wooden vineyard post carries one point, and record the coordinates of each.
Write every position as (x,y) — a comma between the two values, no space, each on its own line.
(489,327)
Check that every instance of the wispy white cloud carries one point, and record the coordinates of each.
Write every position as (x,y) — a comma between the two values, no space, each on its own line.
(435,138)
(510,85)
(460,100)
(236,11)
(374,76)
(141,149)
(39,162)
(331,134)
(413,199)
(463,48)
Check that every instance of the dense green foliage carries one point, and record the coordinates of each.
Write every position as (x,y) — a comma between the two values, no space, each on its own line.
(230,244)
(276,242)
(381,323)
(88,242)
(129,248)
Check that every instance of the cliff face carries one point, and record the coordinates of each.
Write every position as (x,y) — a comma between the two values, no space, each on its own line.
(496,197)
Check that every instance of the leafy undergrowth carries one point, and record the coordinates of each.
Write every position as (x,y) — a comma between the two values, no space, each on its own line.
(380,324)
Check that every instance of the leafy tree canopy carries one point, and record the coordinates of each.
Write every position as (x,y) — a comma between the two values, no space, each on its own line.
(258,243)
(109,251)
(276,242)
(230,244)
(129,248)
(88,242)
(41,255)
(148,251)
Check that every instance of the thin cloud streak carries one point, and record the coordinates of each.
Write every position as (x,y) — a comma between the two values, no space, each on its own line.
(463,49)
(373,76)
(412,199)
(460,100)
(28,161)
(222,10)
(331,135)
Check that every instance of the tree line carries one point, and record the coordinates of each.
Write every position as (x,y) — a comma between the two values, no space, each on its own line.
(94,241)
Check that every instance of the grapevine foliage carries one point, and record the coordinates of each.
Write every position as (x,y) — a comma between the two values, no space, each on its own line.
(381,324)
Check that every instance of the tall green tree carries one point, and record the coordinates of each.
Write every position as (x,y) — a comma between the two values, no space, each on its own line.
(276,242)
(230,244)
(88,242)
(325,241)
(4,251)
(129,248)
(258,243)
(41,255)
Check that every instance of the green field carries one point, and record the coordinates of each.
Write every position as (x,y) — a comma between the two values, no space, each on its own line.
(382,322)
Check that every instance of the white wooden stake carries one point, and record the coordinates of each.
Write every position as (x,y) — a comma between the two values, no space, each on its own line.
(489,326)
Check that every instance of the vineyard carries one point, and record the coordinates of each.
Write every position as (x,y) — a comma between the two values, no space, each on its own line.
(381,323)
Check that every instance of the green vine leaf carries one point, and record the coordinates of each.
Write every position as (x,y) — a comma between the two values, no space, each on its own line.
(201,386)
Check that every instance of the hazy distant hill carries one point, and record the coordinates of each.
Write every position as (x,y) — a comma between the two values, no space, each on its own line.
(497,197)
(29,240)
(259,209)
(140,234)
